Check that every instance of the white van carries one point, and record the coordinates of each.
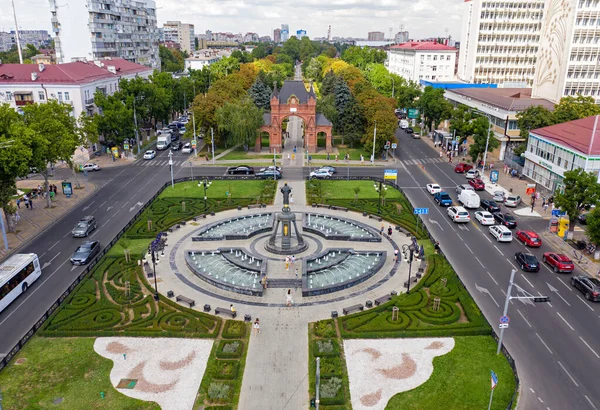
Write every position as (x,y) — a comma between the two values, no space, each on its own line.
(469,199)
(403,124)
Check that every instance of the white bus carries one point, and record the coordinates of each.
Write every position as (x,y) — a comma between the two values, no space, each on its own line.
(17,273)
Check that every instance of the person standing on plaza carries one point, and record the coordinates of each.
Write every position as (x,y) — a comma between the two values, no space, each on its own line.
(382,229)
(390,230)
(395,255)
(292,260)
(287,263)
(288,298)
(256,326)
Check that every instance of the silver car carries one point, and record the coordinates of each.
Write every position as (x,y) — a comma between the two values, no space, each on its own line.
(498,196)
(462,187)
(512,200)
(83,228)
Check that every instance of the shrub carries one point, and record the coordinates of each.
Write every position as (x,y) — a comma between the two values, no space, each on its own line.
(230,349)
(218,391)
(325,328)
(234,329)
(330,387)
(326,347)
(226,369)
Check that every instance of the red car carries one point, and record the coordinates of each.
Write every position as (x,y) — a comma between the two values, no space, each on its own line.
(559,262)
(477,184)
(529,238)
(461,168)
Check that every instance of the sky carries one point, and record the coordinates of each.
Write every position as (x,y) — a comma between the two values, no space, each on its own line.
(348,18)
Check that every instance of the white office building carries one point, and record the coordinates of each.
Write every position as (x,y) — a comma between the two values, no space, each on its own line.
(96,29)
(422,60)
(201,59)
(499,41)
(180,33)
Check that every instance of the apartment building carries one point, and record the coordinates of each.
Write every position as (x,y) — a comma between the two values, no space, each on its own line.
(251,38)
(37,38)
(277,35)
(422,60)
(96,29)
(401,37)
(500,40)
(180,33)
(285,32)
(376,36)
(568,60)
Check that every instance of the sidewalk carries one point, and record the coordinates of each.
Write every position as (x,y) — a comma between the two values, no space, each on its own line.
(34,221)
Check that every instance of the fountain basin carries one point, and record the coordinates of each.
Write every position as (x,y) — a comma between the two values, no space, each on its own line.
(238,228)
(338,229)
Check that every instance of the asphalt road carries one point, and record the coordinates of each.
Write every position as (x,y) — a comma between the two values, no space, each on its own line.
(556,345)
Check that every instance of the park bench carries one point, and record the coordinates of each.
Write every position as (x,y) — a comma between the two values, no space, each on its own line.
(181,298)
(253,206)
(352,308)
(382,299)
(322,206)
(376,217)
(413,279)
(198,217)
(226,311)
(339,208)
(148,270)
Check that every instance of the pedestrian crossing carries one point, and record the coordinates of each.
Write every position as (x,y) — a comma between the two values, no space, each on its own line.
(161,163)
(422,161)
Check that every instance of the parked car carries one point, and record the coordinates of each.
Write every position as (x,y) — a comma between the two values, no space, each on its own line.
(85,225)
(459,214)
(582,218)
(512,200)
(559,262)
(485,218)
(462,167)
(320,174)
(505,219)
(85,253)
(149,154)
(590,287)
(498,196)
(271,167)
(527,262)
(329,168)
(176,146)
(477,184)
(462,187)
(240,170)
(490,206)
(472,173)
(529,238)
(187,148)
(90,167)
(268,174)
(433,188)
(501,233)
(442,198)
(409,130)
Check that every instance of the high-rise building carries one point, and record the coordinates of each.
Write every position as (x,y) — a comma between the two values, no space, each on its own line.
(499,41)
(300,33)
(568,60)
(208,35)
(376,36)
(285,33)
(277,35)
(401,37)
(180,33)
(37,38)
(95,29)
(251,38)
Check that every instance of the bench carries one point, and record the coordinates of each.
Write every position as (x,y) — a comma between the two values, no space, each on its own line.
(181,298)
(148,270)
(376,217)
(352,308)
(198,217)
(226,311)
(382,299)
(254,206)
(322,206)
(339,208)
(413,279)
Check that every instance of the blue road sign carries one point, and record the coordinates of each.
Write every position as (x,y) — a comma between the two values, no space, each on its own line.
(504,319)
(421,211)
(494,176)
(494,379)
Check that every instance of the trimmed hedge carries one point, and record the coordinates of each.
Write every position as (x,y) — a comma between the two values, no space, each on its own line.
(229,355)
(234,329)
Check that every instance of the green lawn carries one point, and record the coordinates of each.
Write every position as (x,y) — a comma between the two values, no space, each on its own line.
(239,153)
(66,368)
(354,154)
(217,189)
(461,379)
(345,189)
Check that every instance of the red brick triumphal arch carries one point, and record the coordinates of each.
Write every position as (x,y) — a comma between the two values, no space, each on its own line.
(294,100)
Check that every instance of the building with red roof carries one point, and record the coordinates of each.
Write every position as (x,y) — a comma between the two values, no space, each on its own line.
(553,150)
(422,60)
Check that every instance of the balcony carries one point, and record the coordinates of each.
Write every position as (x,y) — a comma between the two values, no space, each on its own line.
(89,101)
(21,103)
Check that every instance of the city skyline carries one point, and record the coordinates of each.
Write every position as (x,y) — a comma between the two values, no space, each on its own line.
(422,19)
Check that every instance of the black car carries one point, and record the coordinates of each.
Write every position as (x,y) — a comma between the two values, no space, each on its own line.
(409,130)
(174,136)
(329,168)
(85,253)
(490,206)
(505,219)
(590,287)
(176,146)
(527,262)
(268,174)
(241,170)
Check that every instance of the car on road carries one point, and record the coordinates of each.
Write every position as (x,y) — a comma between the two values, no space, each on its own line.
(177,146)
(477,184)
(85,253)
(459,214)
(150,154)
(90,167)
(240,170)
(490,206)
(270,167)
(529,238)
(187,148)
(512,200)
(329,168)
(559,262)
(505,219)
(164,131)
(485,218)
(409,130)
(472,173)
(320,174)
(442,198)
(501,233)
(83,228)
(268,174)
(174,136)
(498,196)
(433,188)
(462,187)
(527,262)
(462,167)
(590,287)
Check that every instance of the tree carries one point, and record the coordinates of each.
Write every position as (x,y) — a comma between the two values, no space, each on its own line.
(53,136)
(573,108)
(593,226)
(260,94)
(353,121)
(461,123)
(342,96)
(314,69)
(329,80)
(116,121)
(581,189)
(223,68)
(291,48)
(407,94)
(434,107)
(241,120)
(326,106)
(170,60)
(360,57)
(356,192)
(479,131)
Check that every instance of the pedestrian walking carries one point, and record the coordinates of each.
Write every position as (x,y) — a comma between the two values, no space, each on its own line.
(232,308)
(19,203)
(17,217)
(291,198)
(336,157)
(30,204)
(382,229)
(441,154)
(263,281)
(288,298)
(256,326)
(293,258)
(545,207)
(390,230)
(287,263)
(532,205)
(328,157)
(395,255)
(362,159)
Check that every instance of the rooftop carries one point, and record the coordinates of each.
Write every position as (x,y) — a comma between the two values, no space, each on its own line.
(423,46)
(294,87)
(510,99)
(575,134)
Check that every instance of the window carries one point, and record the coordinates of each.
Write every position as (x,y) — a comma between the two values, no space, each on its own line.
(448,58)
(429,57)
(9,96)
(60,96)
(435,58)
(67,96)
(434,68)
(41,96)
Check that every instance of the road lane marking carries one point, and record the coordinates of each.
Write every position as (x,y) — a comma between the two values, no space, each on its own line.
(105,223)
(42,255)
(57,242)
(489,240)
(533,391)
(527,280)
(568,374)
(565,285)
(511,264)
(498,249)
(589,401)
(584,302)
(67,234)
(526,321)
(467,246)
(102,204)
(564,320)
(482,265)
(544,343)
(541,401)
(491,277)
(589,347)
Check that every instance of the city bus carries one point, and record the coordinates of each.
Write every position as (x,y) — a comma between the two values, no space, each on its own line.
(17,273)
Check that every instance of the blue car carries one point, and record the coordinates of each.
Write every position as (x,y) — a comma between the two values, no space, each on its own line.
(443,199)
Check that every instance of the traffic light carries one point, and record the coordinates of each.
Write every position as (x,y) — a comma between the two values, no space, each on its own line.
(541,299)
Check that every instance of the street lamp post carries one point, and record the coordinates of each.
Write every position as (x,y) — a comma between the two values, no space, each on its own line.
(137,138)
(191,170)
(194,123)
(206,184)
(155,246)
(378,189)
(408,252)
(171,166)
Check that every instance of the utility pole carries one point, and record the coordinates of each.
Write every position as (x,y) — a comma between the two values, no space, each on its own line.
(17,35)
(171,166)
(137,137)
(374,135)
(194,124)
(212,143)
